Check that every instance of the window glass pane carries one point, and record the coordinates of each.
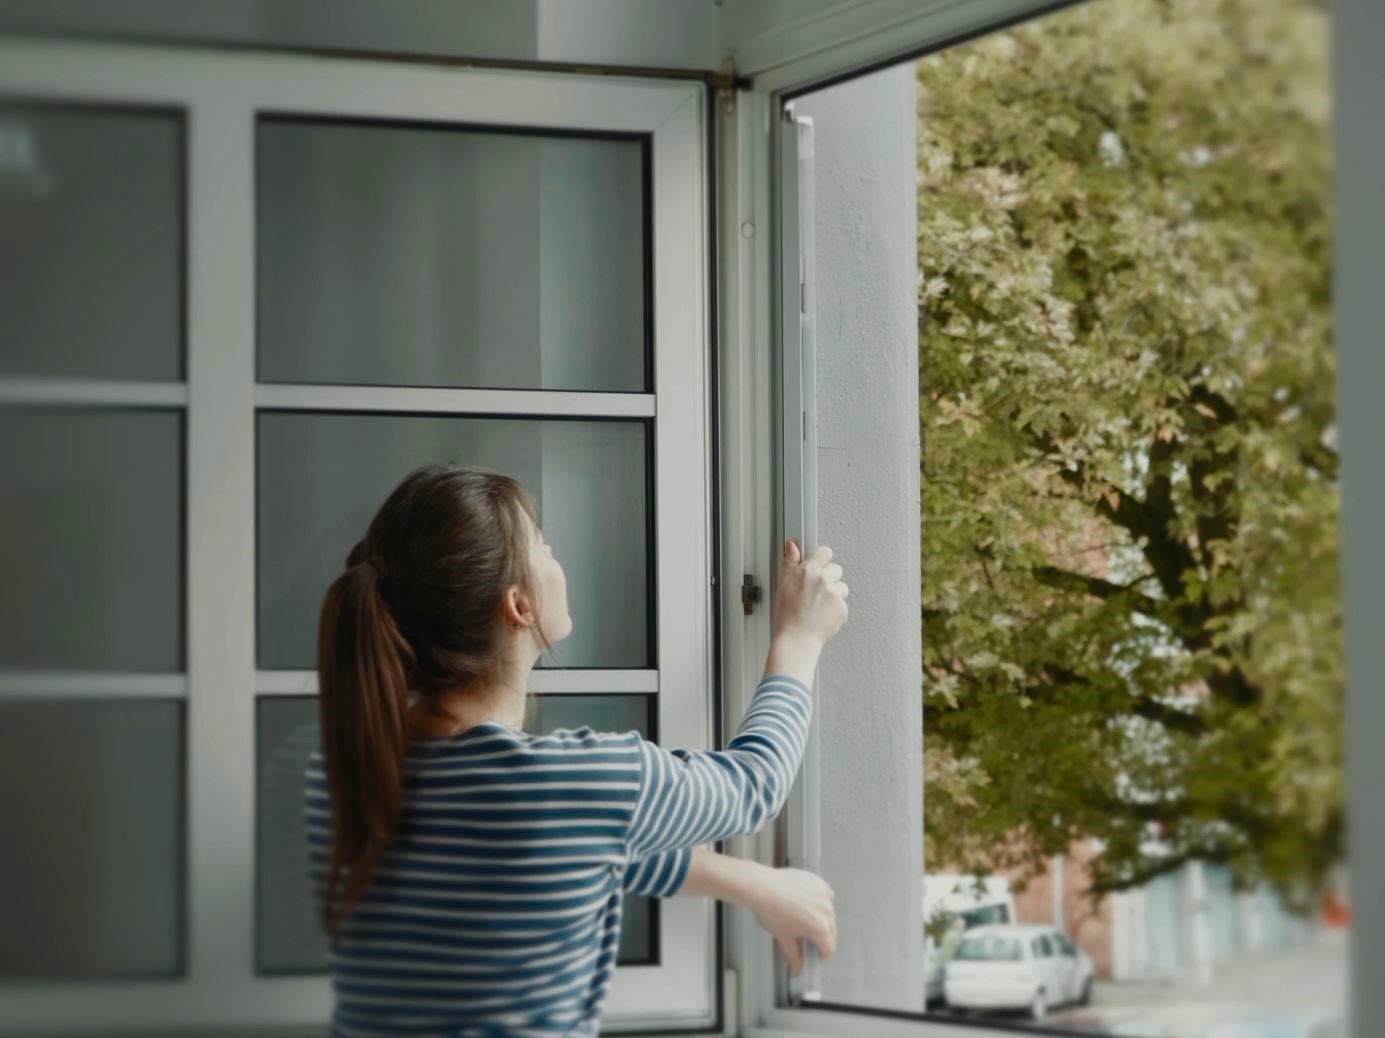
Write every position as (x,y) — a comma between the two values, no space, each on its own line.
(288,936)
(989,949)
(91,539)
(91,880)
(91,232)
(321,478)
(608,713)
(407,255)
(288,930)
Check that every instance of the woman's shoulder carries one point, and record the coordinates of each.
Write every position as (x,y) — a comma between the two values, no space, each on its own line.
(494,743)
(585,740)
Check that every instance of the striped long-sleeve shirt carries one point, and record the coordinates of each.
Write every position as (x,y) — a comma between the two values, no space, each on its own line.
(496,911)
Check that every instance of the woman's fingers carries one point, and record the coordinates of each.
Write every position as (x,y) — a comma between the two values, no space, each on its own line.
(832,572)
(826,942)
(793,953)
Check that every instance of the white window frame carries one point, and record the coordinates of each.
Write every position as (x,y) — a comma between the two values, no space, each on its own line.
(808,53)
(219,95)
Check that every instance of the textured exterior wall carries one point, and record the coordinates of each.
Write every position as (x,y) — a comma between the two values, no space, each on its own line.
(871,773)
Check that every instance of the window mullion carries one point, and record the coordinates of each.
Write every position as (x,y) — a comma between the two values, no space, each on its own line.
(409,399)
(60,392)
(221,524)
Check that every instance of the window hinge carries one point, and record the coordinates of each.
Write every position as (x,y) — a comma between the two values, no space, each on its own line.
(750,594)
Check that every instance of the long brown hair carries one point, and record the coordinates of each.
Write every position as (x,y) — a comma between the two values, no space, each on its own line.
(416,611)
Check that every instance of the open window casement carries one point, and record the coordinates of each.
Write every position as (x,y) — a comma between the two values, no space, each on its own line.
(798,829)
(832,440)
(783,313)
(266,139)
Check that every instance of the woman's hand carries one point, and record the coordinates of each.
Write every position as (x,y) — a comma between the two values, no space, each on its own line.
(796,906)
(811,598)
(791,904)
(809,608)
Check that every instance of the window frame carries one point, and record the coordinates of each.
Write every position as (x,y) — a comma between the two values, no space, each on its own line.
(220,96)
(803,57)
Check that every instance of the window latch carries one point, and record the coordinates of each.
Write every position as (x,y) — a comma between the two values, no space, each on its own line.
(750,594)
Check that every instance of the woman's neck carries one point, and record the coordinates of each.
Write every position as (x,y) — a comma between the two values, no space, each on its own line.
(499,698)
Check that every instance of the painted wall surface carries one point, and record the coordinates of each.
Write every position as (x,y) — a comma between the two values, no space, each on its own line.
(870,706)
(664,33)
(667,33)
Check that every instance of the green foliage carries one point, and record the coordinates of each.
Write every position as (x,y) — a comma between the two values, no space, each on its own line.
(1132,618)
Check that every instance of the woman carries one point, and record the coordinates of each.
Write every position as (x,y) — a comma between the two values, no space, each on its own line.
(471,874)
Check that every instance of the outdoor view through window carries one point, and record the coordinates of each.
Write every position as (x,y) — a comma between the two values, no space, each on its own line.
(1132,685)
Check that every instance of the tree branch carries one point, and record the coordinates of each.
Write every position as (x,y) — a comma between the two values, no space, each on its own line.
(1215,519)
(1132,878)
(1106,590)
(1148,707)
(1170,717)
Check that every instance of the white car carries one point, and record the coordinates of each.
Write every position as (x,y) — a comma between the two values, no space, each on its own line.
(964,902)
(1017,967)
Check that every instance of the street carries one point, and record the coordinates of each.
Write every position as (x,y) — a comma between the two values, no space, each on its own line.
(1297,994)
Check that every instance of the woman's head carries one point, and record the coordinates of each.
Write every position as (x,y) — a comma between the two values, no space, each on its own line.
(452,585)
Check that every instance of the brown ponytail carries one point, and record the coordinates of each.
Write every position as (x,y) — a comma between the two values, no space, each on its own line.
(362,701)
(415,612)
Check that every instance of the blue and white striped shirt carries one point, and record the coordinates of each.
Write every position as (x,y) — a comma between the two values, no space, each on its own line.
(496,912)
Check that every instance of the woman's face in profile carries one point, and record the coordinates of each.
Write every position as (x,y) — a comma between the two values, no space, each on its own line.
(550,587)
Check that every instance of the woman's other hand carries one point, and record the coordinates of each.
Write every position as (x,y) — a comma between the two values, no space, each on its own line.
(795,906)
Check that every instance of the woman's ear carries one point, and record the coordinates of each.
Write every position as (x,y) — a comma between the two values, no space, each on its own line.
(515,607)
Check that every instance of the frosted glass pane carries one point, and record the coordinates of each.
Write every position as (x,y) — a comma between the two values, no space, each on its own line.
(288,932)
(91,877)
(408,255)
(91,242)
(321,477)
(288,935)
(91,541)
(602,713)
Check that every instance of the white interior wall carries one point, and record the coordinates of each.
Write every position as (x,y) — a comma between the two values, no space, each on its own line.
(870,706)
(665,33)
(675,34)
(479,28)
(653,33)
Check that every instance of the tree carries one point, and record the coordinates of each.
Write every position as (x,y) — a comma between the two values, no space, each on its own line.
(1132,616)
